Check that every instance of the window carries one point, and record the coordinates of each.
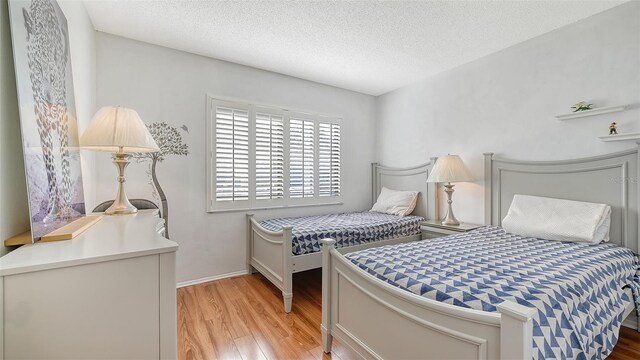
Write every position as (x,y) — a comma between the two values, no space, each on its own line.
(264,157)
(269,152)
(232,154)
(329,159)
(301,158)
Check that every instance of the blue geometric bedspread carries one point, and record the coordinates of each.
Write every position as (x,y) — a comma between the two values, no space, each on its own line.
(348,229)
(576,288)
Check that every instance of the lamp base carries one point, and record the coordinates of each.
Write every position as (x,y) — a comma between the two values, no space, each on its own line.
(121,204)
(449,219)
(121,209)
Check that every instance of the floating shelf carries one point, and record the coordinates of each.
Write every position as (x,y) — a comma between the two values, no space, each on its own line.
(620,137)
(592,112)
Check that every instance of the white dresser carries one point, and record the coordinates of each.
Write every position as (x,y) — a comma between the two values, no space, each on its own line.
(110,293)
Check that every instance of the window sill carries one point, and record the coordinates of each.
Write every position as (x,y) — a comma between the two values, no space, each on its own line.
(273,207)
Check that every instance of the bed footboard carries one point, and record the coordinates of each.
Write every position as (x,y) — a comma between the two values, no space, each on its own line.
(270,253)
(408,326)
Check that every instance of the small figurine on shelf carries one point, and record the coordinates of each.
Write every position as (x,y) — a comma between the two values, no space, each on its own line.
(613,128)
(581,106)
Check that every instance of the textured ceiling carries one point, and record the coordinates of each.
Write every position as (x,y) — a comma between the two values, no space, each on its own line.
(370,47)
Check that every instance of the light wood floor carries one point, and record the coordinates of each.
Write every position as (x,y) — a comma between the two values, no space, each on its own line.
(243,318)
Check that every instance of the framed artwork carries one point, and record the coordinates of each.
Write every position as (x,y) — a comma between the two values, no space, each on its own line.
(47,114)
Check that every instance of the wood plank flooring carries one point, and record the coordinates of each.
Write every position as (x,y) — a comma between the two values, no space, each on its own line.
(628,347)
(243,318)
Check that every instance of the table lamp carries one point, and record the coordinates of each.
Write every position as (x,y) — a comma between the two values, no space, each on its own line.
(448,169)
(120,131)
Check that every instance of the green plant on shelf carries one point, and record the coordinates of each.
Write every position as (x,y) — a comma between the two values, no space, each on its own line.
(582,106)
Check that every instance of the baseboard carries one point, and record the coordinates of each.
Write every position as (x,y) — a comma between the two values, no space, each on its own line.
(210,278)
(631,321)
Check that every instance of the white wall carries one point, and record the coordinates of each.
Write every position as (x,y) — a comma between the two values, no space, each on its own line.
(14,211)
(169,85)
(505,103)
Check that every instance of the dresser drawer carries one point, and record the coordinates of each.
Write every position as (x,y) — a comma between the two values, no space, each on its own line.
(434,229)
(429,233)
(426,234)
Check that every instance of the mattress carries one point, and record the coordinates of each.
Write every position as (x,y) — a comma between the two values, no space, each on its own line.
(576,288)
(348,229)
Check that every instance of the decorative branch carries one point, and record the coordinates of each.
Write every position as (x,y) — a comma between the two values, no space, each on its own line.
(170,142)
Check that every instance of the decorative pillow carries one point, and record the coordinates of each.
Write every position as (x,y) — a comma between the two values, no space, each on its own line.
(395,202)
(558,219)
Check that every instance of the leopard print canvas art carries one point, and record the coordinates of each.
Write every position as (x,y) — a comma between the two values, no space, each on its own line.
(47,112)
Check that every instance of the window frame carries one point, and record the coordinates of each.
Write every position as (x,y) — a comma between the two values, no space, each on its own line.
(213,206)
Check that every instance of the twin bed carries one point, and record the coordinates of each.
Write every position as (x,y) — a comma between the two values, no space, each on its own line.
(489,294)
(485,294)
(278,248)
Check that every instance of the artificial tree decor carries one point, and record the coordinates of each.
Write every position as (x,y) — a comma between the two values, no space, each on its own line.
(170,142)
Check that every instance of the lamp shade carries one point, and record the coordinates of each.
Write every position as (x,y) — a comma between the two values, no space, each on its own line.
(449,168)
(117,129)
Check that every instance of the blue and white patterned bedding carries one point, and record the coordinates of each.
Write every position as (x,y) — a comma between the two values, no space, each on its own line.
(575,287)
(348,229)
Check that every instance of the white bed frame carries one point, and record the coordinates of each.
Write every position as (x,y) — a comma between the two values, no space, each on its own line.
(408,326)
(270,252)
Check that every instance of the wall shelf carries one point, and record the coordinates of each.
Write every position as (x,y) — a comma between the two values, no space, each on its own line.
(592,112)
(620,137)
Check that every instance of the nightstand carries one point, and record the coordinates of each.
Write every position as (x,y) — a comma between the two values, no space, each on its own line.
(432,229)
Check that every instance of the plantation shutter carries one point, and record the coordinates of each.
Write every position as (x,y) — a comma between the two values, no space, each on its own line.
(231,153)
(264,157)
(329,159)
(301,157)
(269,152)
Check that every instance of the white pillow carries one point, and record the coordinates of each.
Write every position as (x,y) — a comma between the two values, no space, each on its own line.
(558,219)
(395,202)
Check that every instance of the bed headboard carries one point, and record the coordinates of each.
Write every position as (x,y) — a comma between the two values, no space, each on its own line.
(610,179)
(411,178)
